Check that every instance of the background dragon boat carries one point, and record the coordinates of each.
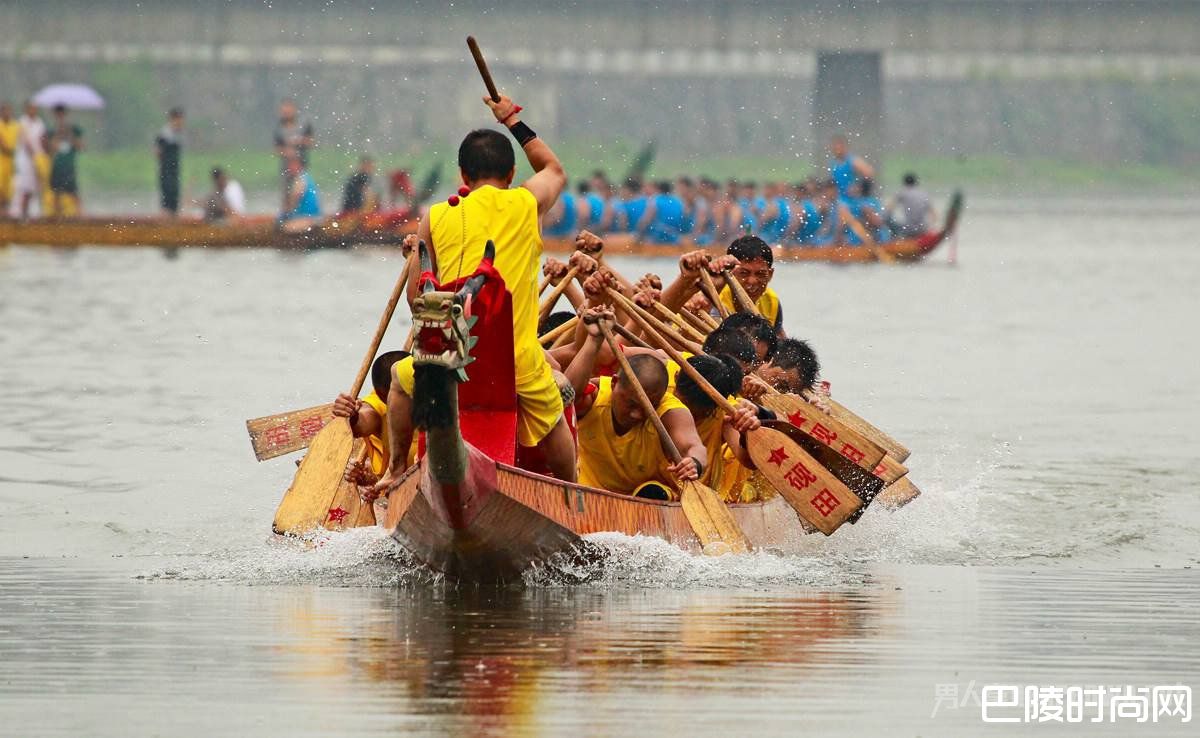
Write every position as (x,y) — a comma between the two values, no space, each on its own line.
(262,232)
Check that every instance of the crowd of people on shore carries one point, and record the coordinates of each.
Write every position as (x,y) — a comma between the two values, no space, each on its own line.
(837,206)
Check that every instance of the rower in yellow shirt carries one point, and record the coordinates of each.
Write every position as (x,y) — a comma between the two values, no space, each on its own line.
(456,233)
(368,419)
(719,432)
(619,447)
(755,268)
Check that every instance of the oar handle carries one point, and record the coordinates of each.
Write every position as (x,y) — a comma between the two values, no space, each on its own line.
(710,291)
(473,45)
(663,436)
(740,296)
(548,303)
(721,401)
(638,311)
(384,320)
(675,320)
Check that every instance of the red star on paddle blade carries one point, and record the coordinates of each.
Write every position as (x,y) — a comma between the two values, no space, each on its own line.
(797,419)
(337,514)
(778,456)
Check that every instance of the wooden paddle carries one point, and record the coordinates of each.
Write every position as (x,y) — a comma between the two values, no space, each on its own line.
(549,337)
(816,494)
(703,328)
(552,298)
(828,431)
(347,505)
(542,287)
(881,254)
(708,320)
(637,311)
(483,68)
(710,291)
(741,298)
(898,494)
(712,522)
(685,327)
(308,502)
(894,448)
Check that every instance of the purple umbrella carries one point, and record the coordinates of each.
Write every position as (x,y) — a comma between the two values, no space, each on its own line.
(74,96)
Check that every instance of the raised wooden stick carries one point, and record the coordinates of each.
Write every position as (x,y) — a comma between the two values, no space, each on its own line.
(710,291)
(712,522)
(702,327)
(552,298)
(549,337)
(741,298)
(483,68)
(545,283)
(815,493)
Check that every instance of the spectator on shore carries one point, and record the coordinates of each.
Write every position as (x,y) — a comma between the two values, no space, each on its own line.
(168,148)
(227,200)
(293,138)
(65,141)
(31,166)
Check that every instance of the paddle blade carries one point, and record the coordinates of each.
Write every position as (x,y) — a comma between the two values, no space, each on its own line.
(712,522)
(898,494)
(881,439)
(815,494)
(826,430)
(283,433)
(310,501)
(890,470)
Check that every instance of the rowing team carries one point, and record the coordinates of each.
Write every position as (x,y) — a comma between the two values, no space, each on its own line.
(837,209)
(617,445)
(576,413)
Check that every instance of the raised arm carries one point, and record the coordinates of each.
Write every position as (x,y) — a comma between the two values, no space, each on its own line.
(549,178)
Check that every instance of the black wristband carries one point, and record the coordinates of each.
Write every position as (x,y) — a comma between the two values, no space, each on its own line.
(699,467)
(523,133)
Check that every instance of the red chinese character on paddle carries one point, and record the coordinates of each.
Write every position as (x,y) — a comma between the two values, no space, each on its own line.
(310,427)
(825,502)
(278,435)
(799,477)
(852,453)
(823,434)
(880,470)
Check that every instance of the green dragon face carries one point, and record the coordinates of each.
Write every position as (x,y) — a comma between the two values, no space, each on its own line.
(443,332)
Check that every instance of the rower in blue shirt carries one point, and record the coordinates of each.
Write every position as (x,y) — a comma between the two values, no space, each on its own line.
(592,214)
(776,215)
(562,220)
(844,168)
(662,216)
(303,209)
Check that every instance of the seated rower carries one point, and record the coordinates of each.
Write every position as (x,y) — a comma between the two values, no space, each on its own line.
(755,269)
(910,212)
(794,367)
(227,201)
(368,419)
(662,217)
(718,432)
(357,195)
(619,448)
(734,343)
(760,332)
(303,208)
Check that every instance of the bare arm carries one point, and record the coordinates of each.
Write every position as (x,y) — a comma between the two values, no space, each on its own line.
(682,429)
(549,178)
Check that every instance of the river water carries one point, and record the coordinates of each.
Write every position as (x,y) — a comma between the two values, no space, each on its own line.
(1046,384)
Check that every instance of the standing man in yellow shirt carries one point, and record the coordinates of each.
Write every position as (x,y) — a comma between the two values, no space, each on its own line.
(10,132)
(456,232)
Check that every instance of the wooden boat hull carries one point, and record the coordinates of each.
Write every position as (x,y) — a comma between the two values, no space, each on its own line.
(503,520)
(188,233)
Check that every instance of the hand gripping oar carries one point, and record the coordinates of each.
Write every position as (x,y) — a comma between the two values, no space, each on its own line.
(710,291)
(712,522)
(740,297)
(483,69)
(552,298)
(816,495)
(308,502)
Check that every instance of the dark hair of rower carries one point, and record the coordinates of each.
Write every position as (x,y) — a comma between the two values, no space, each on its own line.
(486,154)
(725,379)
(758,328)
(651,373)
(381,372)
(794,353)
(910,179)
(664,187)
(583,187)
(733,342)
(751,248)
(554,320)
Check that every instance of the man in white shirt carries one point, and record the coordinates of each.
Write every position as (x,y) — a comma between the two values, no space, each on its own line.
(27,185)
(227,200)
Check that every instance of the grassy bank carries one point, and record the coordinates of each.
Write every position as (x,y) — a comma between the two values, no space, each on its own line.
(133,171)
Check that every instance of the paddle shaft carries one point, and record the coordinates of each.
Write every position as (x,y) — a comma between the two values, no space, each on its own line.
(740,297)
(548,303)
(636,311)
(664,437)
(710,291)
(384,320)
(473,45)
(685,328)
(701,327)
(550,336)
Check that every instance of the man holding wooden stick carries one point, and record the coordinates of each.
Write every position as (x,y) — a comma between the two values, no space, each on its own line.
(487,207)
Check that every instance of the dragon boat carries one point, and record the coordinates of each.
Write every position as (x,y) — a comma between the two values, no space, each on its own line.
(478,509)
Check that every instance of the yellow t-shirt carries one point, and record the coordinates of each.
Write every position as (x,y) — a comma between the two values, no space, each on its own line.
(768,304)
(673,370)
(380,448)
(621,463)
(9,133)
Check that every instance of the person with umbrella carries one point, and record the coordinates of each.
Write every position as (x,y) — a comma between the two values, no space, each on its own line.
(64,142)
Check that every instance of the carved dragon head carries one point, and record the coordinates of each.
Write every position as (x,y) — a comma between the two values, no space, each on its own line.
(443,321)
